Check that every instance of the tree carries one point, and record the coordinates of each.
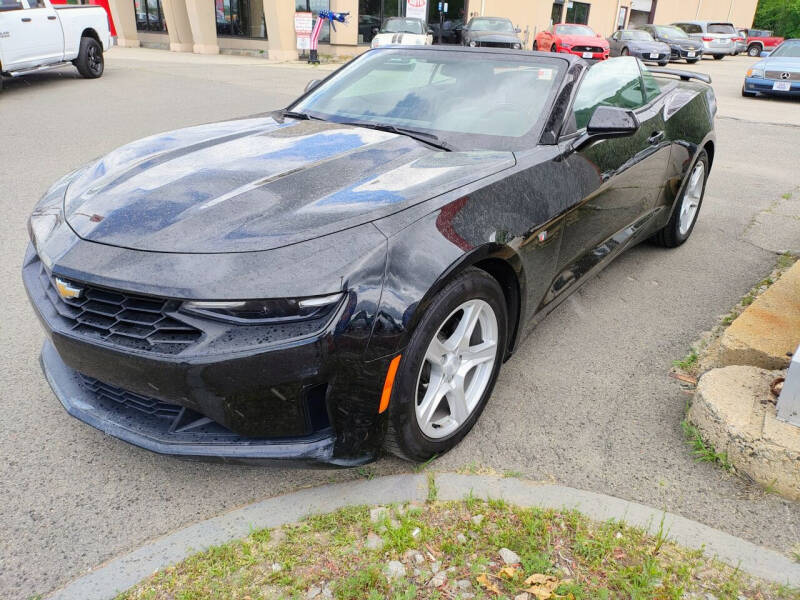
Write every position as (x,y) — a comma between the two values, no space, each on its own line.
(780,16)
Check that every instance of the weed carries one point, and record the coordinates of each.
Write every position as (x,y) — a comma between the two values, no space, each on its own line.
(433,489)
(688,361)
(703,451)
(422,466)
(786,260)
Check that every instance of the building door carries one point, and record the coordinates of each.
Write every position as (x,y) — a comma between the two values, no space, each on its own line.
(578,12)
(372,13)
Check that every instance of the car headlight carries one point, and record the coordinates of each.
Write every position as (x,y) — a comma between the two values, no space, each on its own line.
(566,46)
(755,73)
(472,44)
(263,312)
(48,214)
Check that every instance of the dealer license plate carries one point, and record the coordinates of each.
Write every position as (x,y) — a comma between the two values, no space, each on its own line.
(587,55)
(654,55)
(690,53)
(782,86)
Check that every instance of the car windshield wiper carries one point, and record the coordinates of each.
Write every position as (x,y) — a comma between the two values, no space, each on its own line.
(297,115)
(421,136)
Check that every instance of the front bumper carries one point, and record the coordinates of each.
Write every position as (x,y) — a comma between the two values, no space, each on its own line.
(648,56)
(678,53)
(594,55)
(766,86)
(235,394)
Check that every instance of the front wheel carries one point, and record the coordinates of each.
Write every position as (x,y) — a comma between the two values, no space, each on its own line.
(663,63)
(719,56)
(625,52)
(535,46)
(553,48)
(687,206)
(90,62)
(754,51)
(691,61)
(449,368)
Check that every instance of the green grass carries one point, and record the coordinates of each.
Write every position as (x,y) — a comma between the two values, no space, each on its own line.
(687,362)
(702,450)
(785,260)
(582,559)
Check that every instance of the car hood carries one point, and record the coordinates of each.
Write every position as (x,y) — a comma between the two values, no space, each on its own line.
(384,39)
(583,40)
(638,46)
(257,184)
(780,63)
(493,36)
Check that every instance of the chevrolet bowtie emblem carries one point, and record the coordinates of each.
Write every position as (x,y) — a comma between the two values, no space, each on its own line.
(67,290)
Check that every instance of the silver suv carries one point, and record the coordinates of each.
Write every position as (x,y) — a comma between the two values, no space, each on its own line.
(719,38)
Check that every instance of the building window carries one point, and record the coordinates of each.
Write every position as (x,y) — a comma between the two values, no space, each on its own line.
(372,14)
(241,18)
(558,12)
(314,6)
(578,13)
(149,16)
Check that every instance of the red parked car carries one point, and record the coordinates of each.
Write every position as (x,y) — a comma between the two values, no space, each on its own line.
(571,38)
(759,40)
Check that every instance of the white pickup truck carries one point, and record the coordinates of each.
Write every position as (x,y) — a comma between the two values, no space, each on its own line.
(36,35)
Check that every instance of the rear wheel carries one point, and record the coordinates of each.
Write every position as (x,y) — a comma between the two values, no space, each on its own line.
(449,368)
(719,56)
(687,206)
(754,50)
(535,45)
(553,48)
(90,62)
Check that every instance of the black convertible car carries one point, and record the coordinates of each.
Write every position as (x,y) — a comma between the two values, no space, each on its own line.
(351,272)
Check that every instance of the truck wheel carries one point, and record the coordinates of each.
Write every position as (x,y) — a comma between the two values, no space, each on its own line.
(754,50)
(90,58)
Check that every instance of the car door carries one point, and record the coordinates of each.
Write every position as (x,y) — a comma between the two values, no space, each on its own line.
(13,42)
(614,43)
(620,179)
(47,31)
(35,36)
(546,40)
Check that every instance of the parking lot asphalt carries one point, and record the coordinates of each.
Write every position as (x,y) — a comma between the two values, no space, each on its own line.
(586,402)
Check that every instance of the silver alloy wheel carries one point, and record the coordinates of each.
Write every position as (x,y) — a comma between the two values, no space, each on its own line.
(457,369)
(691,198)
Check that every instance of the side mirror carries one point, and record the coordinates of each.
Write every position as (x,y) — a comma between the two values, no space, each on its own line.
(765,54)
(608,122)
(312,84)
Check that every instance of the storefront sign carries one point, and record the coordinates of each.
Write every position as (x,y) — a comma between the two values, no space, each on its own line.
(303,22)
(417,9)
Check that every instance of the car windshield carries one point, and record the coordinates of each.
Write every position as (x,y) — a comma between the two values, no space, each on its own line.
(574,30)
(642,36)
(479,101)
(671,32)
(491,25)
(400,25)
(788,50)
(725,28)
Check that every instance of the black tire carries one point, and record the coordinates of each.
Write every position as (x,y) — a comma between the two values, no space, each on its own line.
(691,61)
(754,50)
(625,52)
(404,437)
(535,46)
(663,63)
(553,48)
(719,56)
(747,94)
(90,62)
(670,236)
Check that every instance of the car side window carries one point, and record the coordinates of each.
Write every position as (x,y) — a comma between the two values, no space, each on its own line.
(35,3)
(691,28)
(6,5)
(615,82)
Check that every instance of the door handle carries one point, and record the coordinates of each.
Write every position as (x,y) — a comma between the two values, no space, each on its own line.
(26,19)
(656,137)
(51,17)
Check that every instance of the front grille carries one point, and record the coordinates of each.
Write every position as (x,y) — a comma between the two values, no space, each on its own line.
(495,45)
(137,322)
(592,49)
(148,406)
(777,75)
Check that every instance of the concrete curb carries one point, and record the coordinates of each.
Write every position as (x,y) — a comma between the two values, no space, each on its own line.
(121,573)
